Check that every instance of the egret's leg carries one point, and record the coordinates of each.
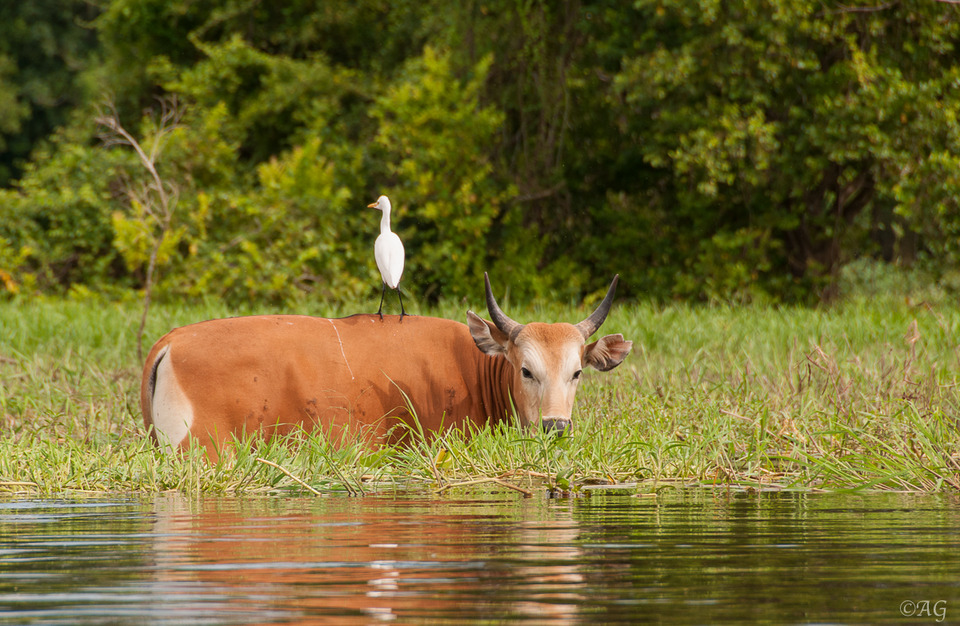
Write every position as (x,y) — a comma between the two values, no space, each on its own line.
(400,295)
(382,292)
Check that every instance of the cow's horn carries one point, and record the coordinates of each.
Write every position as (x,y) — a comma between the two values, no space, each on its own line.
(590,325)
(506,325)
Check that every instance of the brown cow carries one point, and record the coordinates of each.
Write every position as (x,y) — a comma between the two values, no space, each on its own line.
(360,377)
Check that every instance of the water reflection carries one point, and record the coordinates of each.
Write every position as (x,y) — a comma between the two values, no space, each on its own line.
(687,557)
(377,558)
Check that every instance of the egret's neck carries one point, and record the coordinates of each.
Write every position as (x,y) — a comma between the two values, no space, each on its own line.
(385,222)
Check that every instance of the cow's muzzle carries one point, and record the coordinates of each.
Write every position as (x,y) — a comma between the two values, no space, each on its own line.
(556,425)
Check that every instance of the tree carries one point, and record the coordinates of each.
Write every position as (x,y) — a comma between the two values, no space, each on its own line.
(432,151)
(45,45)
(705,150)
(795,130)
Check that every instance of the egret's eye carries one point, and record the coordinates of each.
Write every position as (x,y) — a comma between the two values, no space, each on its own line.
(526,373)
(576,374)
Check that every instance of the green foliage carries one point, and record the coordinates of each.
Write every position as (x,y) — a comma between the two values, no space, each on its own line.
(269,236)
(271,99)
(433,145)
(55,229)
(708,151)
(792,121)
(288,237)
(12,111)
(45,46)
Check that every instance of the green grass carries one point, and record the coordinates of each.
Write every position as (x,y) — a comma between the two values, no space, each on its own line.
(863,395)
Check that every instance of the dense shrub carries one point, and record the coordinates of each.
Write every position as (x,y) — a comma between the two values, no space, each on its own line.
(711,151)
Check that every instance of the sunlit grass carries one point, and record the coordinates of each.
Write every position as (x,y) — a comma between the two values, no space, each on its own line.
(864,395)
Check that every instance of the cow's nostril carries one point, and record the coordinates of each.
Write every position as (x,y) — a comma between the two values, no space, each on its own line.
(556,425)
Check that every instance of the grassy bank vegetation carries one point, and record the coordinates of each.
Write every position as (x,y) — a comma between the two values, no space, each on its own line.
(862,395)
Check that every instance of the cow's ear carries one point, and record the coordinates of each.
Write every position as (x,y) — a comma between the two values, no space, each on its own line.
(486,335)
(607,352)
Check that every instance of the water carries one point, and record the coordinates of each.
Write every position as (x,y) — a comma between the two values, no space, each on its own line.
(690,556)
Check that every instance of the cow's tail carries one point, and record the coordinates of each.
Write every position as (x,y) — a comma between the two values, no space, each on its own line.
(148,391)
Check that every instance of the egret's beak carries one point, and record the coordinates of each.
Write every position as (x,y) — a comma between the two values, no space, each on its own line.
(372,206)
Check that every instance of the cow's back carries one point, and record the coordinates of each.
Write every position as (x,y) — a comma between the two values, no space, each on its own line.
(354,377)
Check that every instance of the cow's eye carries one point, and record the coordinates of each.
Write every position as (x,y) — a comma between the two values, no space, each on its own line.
(526,373)
(576,374)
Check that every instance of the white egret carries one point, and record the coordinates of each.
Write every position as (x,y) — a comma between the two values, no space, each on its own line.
(388,250)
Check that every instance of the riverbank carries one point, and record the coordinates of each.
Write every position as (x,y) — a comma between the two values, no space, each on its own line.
(863,395)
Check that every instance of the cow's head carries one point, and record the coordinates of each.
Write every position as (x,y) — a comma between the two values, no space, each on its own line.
(547,358)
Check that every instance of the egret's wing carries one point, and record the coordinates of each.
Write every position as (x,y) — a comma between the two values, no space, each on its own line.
(388,251)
